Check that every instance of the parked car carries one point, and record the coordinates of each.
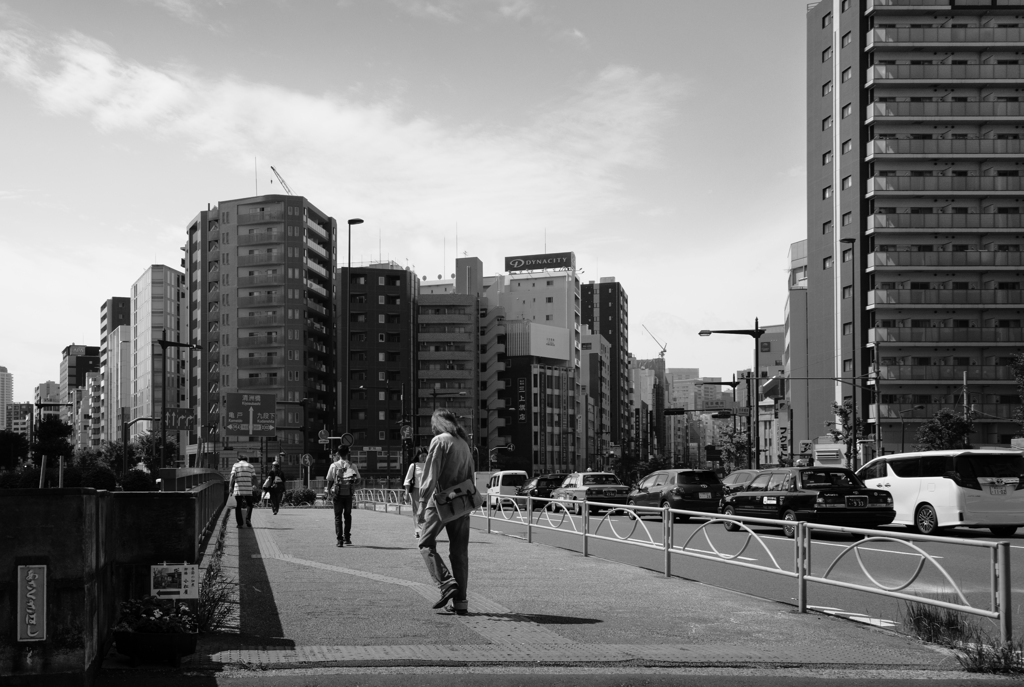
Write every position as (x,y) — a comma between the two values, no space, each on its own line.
(542,485)
(505,483)
(738,479)
(827,495)
(603,487)
(698,490)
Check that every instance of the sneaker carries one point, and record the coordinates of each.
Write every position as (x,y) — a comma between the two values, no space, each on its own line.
(448,593)
(451,608)
(248,524)
(348,541)
(340,544)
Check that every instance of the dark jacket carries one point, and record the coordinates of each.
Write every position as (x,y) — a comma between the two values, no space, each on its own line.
(276,472)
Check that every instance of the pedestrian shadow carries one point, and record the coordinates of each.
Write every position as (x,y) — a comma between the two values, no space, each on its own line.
(257,610)
(381,548)
(539,618)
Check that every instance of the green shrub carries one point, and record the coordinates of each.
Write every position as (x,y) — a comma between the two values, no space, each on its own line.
(304,497)
(72,477)
(9,479)
(138,480)
(99,477)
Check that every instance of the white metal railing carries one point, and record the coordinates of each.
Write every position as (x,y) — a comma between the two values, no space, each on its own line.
(554,514)
(374,495)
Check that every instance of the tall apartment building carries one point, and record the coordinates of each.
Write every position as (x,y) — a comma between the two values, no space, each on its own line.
(117,382)
(76,362)
(18,419)
(115,312)
(596,377)
(605,310)
(261,286)
(914,209)
(6,389)
(377,363)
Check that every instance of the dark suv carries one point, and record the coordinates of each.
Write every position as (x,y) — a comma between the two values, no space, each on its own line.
(542,485)
(698,490)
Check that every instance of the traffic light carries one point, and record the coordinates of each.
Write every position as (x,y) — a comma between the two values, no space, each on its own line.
(675,411)
(712,453)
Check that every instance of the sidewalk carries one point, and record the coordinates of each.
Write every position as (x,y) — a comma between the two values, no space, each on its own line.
(303,603)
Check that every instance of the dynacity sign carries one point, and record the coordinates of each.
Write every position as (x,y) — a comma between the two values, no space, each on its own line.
(545,261)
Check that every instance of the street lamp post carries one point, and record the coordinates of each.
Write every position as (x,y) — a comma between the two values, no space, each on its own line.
(903,443)
(756,333)
(164,344)
(853,345)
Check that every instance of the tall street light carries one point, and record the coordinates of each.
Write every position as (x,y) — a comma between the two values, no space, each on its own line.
(164,344)
(853,345)
(903,443)
(756,333)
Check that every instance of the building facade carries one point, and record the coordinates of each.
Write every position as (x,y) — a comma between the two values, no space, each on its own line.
(6,389)
(115,312)
(914,209)
(76,362)
(605,310)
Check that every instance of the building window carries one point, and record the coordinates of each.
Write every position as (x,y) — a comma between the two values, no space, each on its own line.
(549,299)
(848,365)
(826,20)
(846,5)
(847,145)
(847,38)
(826,54)
(847,292)
(826,193)
(847,74)
(548,317)
(826,88)
(826,264)
(847,218)
(826,123)
(847,110)
(826,227)
(847,182)
(847,328)
(826,158)
(848,255)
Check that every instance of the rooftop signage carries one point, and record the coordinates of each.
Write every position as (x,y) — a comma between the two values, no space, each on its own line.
(544,261)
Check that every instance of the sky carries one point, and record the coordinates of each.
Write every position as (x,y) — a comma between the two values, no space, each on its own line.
(661,141)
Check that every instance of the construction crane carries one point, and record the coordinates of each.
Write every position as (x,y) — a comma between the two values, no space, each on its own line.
(664,347)
(284,184)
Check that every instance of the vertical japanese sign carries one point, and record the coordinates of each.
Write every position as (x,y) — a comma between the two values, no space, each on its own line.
(521,411)
(31,603)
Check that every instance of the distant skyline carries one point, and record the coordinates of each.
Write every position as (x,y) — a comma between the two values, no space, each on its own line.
(661,141)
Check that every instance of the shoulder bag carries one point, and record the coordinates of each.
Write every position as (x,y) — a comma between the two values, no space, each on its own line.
(457,501)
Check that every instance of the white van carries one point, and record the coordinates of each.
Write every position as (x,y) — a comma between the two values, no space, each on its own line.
(959,488)
(505,483)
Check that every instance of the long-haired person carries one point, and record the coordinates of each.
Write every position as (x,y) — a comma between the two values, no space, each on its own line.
(449,462)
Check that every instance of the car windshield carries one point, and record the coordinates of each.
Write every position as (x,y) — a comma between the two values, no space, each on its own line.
(991,465)
(548,483)
(818,479)
(702,477)
(600,479)
(513,480)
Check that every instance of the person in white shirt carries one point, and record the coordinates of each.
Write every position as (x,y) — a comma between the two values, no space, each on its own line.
(342,478)
(240,486)
(413,478)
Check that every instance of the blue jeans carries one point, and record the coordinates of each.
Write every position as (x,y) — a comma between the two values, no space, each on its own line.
(243,501)
(343,517)
(458,552)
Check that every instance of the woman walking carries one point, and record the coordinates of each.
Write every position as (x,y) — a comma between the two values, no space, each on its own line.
(275,478)
(449,462)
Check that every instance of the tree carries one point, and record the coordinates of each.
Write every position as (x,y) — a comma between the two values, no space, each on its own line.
(735,445)
(1017,365)
(51,440)
(13,449)
(947,430)
(147,450)
(841,430)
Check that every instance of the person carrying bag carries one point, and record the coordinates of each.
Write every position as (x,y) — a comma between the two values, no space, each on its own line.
(448,495)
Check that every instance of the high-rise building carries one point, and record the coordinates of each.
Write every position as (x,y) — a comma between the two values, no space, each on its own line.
(114,312)
(6,389)
(117,382)
(605,310)
(914,210)
(159,310)
(19,416)
(261,279)
(377,304)
(594,371)
(76,362)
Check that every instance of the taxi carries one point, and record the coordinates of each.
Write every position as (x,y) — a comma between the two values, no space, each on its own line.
(603,487)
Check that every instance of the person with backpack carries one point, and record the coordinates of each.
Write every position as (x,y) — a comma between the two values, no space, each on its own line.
(240,486)
(342,478)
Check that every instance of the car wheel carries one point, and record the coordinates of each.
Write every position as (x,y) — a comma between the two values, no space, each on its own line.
(789,530)
(925,520)
(675,516)
(1002,530)
(730,526)
(632,514)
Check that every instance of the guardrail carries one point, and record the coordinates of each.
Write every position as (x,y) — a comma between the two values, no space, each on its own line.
(373,495)
(554,513)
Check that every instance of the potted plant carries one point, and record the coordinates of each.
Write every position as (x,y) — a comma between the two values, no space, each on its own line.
(154,629)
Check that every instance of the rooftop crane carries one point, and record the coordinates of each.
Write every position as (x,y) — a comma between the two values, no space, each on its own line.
(284,184)
(664,347)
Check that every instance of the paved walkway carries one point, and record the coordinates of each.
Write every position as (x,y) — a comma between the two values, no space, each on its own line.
(303,603)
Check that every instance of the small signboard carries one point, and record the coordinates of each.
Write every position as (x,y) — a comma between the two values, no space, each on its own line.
(31,603)
(254,415)
(407,431)
(180,419)
(174,581)
(324,441)
(307,459)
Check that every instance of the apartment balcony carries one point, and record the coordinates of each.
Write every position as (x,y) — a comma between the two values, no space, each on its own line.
(954,221)
(261,361)
(1002,412)
(316,269)
(315,288)
(317,229)
(974,258)
(260,321)
(960,148)
(951,74)
(973,186)
(937,6)
(444,337)
(444,355)
(951,335)
(981,38)
(981,297)
(979,111)
(316,248)
(445,319)
(262,280)
(259,382)
(317,308)
(261,259)
(260,237)
(257,217)
(946,373)
(265,299)
(316,347)
(260,342)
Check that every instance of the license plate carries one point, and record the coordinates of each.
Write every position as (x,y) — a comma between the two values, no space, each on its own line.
(609,492)
(997,491)
(704,495)
(856,501)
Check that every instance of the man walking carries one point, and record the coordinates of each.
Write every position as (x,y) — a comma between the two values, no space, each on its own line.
(342,478)
(240,486)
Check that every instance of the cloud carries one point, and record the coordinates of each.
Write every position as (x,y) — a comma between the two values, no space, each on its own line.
(458,10)
(562,164)
(574,37)
(186,10)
